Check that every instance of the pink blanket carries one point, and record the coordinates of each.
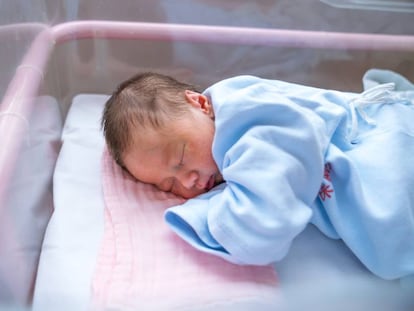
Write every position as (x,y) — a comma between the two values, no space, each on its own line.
(142,265)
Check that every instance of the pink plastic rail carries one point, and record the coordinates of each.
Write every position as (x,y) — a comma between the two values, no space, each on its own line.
(17,103)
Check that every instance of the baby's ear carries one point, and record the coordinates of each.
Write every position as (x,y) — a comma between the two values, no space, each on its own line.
(199,101)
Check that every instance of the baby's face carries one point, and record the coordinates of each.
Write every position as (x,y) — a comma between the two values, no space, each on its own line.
(179,160)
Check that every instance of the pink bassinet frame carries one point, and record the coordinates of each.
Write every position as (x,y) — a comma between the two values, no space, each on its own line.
(17,102)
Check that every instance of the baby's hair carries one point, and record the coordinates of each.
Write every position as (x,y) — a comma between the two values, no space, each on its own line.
(146,100)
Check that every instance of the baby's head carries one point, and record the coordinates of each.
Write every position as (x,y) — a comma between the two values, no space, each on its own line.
(161,131)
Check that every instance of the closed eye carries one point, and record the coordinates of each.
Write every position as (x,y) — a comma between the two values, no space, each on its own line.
(181,163)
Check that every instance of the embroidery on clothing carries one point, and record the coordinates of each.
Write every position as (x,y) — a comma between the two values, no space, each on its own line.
(326,191)
(327,172)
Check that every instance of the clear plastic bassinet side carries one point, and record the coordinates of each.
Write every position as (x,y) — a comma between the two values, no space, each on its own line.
(52,50)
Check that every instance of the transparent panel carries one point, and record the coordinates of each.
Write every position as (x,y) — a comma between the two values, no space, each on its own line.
(53,50)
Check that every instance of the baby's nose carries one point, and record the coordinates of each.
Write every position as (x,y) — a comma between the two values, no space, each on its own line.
(189,179)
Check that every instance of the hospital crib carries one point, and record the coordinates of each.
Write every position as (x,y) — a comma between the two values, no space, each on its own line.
(60,61)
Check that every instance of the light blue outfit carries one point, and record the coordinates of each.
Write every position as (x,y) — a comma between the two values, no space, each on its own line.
(291,155)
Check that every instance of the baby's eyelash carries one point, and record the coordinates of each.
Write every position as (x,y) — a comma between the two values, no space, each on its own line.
(182,157)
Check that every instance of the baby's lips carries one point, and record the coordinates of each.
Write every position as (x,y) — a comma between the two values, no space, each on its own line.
(211,182)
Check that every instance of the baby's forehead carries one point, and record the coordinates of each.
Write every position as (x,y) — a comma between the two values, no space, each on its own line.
(151,140)
(141,153)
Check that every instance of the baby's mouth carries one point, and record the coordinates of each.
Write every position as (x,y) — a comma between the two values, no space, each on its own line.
(211,182)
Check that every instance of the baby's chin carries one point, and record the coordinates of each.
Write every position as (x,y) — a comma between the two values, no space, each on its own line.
(192,193)
(189,194)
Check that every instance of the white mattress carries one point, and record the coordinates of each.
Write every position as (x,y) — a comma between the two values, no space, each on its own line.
(73,235)
(318,272)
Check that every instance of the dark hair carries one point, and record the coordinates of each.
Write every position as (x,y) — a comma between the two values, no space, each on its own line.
(146,100)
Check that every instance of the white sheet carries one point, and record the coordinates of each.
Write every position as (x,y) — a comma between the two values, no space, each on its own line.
(74,233)
(317,272)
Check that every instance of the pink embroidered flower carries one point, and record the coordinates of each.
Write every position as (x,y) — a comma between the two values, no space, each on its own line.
(325,192)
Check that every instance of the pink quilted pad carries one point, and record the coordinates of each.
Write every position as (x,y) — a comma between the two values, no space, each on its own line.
(142,265)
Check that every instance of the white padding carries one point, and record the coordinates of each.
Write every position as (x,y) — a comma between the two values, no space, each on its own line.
(74,233)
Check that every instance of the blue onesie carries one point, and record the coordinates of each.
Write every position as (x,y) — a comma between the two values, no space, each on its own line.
(292,155)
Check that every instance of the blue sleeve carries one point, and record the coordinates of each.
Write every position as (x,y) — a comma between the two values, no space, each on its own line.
(273,168)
